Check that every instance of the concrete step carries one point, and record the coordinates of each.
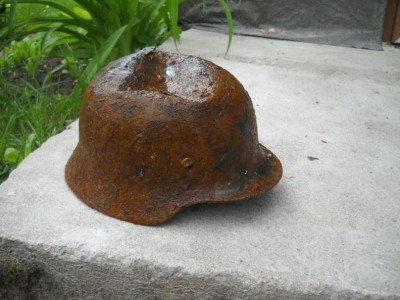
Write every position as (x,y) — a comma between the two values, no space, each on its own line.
(329,230)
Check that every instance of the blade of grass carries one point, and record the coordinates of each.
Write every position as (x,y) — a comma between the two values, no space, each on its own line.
(230,23)
(97,62)
(60,7)
(12,12)
(173,7)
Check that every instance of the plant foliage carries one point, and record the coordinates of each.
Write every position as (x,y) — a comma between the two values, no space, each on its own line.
(84,28)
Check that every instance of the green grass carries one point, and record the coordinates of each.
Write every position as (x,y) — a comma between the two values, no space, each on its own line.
(29,109)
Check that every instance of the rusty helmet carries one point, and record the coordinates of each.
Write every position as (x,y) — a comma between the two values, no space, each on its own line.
(159,132)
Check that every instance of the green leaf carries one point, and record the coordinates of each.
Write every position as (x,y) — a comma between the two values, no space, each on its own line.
(12,155)
(83,13)
(29,143)
(98,61)
(173,7)
(230,23)
(12,13)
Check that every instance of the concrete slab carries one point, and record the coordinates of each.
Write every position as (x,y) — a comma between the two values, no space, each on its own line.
(330,229)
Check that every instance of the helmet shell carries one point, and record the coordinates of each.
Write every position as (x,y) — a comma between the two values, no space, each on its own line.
(159,132)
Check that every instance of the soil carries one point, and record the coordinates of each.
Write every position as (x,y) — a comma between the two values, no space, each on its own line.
(60,81)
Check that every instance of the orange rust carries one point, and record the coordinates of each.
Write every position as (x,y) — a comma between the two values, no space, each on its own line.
(160,132)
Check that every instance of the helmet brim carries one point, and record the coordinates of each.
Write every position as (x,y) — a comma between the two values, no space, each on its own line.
(93,189)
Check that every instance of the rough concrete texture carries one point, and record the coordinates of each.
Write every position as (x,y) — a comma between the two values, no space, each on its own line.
(330,229)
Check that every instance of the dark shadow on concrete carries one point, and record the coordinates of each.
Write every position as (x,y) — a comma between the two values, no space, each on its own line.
(247,211)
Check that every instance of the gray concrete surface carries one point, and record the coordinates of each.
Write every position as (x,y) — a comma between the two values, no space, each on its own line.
(329,230)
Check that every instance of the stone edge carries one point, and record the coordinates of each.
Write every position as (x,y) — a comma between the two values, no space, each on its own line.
(50,272)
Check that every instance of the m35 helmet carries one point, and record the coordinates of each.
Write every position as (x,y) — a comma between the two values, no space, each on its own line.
(159,132)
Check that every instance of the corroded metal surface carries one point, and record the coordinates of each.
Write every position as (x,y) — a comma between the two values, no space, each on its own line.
(160,132)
